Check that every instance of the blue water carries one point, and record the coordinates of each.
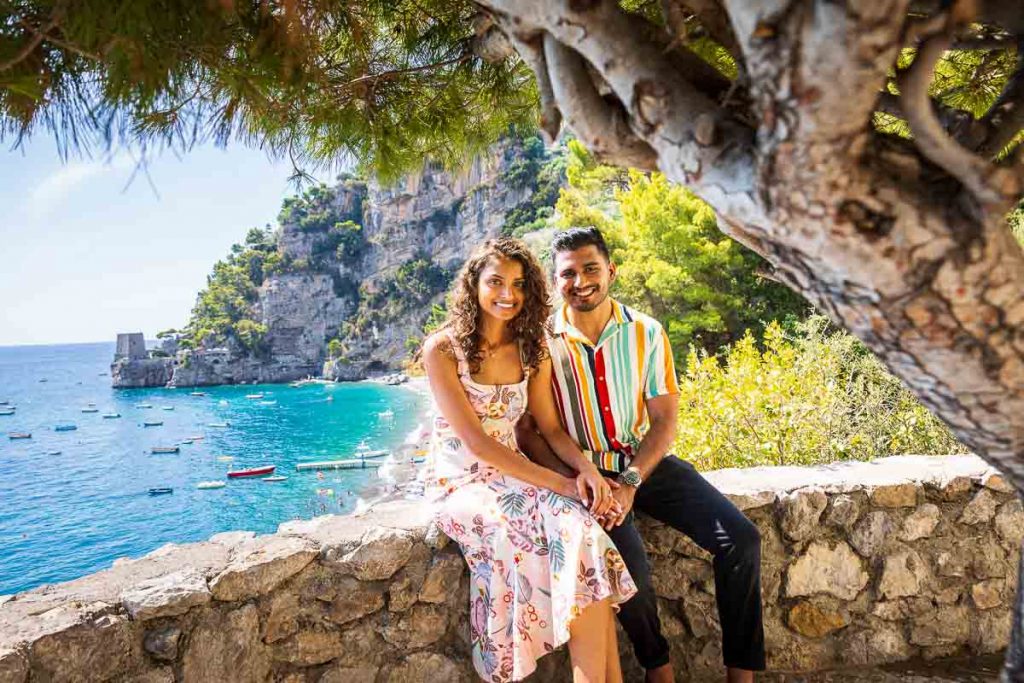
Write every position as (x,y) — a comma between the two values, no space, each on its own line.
(63,516)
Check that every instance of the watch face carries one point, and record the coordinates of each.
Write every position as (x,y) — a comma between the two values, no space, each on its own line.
(631,478)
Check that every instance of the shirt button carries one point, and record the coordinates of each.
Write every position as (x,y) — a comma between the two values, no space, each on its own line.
(607,407)
(600,379)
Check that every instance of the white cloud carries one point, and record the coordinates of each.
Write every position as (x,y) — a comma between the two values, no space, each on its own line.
(58,185)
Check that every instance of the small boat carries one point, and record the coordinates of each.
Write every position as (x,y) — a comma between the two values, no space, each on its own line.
(359,464)
(275,478)
(167,408)
(90,410)
(186,442)
(363,452)
(19,435)
(197,393)
(254,396)
(196,437)
(160,490)
(219,425)
(65,428)
(5,403)
(53,452)
(225,458)
(111,416)
(152,423)
(143,405)
(386,414)
(268,403)
(6,411)
(252,472)
(204,485)
(43,379)
(156,450)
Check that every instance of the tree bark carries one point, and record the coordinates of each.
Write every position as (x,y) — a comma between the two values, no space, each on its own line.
(902,243)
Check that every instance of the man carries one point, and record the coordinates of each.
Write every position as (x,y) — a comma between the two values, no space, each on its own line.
(615,386)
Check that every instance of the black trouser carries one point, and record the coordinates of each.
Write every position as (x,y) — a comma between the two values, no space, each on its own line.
(677,495)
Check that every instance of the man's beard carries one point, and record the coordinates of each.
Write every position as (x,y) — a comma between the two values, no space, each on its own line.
(596,300)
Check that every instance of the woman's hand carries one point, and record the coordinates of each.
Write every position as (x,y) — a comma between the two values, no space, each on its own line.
(594,490)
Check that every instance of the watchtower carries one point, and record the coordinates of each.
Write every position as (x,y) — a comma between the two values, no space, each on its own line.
(130,345)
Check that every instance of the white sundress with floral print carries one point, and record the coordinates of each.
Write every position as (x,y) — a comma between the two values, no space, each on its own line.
(536,558)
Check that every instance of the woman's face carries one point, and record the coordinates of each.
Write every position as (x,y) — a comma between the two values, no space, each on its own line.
(502,288)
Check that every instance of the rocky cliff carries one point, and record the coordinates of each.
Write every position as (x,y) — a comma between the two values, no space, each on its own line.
(351,272)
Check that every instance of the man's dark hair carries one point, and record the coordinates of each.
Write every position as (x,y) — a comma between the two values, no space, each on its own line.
(577,238)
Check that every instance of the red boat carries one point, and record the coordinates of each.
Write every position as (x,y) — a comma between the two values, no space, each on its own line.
(254,472)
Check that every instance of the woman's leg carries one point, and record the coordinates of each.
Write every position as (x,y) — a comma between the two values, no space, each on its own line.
(613,667)
(588,643)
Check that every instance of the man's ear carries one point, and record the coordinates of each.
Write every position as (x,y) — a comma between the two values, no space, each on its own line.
(612,271)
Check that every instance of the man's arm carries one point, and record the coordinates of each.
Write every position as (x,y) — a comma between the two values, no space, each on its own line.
(537,449)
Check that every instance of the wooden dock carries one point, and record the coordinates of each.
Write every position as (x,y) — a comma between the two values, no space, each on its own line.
(357,464)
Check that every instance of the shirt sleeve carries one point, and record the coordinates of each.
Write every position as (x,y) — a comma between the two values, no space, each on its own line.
(660,373)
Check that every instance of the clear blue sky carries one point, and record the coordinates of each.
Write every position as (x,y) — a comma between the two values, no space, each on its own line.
(85,255)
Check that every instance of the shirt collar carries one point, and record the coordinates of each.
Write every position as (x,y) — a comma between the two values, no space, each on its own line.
(562,326)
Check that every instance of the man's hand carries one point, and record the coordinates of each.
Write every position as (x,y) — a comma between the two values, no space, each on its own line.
(623,497)
(594,490)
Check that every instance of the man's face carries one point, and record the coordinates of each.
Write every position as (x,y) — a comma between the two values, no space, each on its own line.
(583,277)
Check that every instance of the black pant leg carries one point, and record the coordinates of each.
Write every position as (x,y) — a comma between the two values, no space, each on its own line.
(677,495)
(639,614)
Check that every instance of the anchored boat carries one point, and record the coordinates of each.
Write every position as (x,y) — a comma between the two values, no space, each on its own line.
(65,428)
(252,472)
(160,490)
(156,450)
(204,485)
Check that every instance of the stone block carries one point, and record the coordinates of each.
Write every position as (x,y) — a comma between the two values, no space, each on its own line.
(921,522)
(225,646)
(894,496)
(426,667)
(981,509)
(988,594)
(813,621)
(845,511)
(95,650)
(309,647)
(825,568)
(13,666)
(870,534)
(990,631)
(349,674)
(945,626)
(997,483)
(801,512)
(259,566)
(162,643)
(165,596)
(442,579)
(904,574)
(381,552)
(355,599)
(1009,523)
(417,627)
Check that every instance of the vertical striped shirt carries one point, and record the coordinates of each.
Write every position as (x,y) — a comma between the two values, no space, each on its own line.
(600,389)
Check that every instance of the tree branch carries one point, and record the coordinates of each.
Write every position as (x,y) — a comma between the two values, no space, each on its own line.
(64,45)
(711,16)
(602,127)
(532,51)
(37,37)
(986,182)
(1005,118)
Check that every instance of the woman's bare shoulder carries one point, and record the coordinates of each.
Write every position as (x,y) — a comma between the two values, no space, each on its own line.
(438,345)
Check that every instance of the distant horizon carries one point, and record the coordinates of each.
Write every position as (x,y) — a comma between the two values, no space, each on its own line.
(96,246)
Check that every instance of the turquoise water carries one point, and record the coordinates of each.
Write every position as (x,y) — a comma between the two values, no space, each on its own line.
(63,516)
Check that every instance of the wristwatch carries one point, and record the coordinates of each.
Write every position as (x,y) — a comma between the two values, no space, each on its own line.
(631,477)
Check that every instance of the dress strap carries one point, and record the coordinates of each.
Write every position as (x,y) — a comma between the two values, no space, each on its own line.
(460,357)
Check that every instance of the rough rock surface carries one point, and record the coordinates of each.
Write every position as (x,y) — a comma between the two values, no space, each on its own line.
(379,596)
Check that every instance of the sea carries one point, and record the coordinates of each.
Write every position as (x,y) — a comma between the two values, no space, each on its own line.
(71,502)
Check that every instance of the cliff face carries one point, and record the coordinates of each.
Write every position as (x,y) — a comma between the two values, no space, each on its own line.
(360,266)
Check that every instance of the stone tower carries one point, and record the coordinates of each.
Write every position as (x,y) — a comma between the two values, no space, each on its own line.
(131,345)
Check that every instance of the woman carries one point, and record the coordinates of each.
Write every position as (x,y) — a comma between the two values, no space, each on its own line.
(542,570)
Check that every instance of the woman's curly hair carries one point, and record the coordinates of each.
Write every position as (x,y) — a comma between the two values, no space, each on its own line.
(530,324)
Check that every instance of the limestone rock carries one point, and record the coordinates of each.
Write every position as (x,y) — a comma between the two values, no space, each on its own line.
(981,508)
(801,511)
(988,559)
(164,674)
(355,599)
(309,647)
(426,667)
(809,620)
(987,594)
(824,568)
(90,651)
(233,538)
(406,584)
(281,616)
(904,573)
(996,482)
(349,674)
(990,631)
(749,501)
(948,625)
(700,614)
(166,596)
(363,646)
(956,488)
(162,643)
(13,666)
(417,627)
(225,646)
(261,565)
(381,552)
(921,522)
(894,496)
(845,511)
(870,534)
(1009,523)
(442,577)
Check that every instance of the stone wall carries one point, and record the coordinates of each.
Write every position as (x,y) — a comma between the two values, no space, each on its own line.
(863,563)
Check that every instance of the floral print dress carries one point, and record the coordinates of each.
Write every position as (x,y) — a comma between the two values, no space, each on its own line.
(536,558)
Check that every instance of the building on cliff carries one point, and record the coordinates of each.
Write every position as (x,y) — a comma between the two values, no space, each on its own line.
(342,287)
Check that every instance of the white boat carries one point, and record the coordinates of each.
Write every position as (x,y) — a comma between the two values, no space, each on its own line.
(90,410)
(210,485)
(268,403)
(157,450)
(167,408)
(198,393)
(7,411)
(254,396)
(186,442)
(111,416)
(386,414)
(219,425)
(53,452)
(143,405)
(275,478)
(364,452)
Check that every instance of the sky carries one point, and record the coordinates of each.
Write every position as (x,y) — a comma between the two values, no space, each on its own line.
(87,252)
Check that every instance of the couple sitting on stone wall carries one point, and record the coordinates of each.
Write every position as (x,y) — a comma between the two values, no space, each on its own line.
(591,395)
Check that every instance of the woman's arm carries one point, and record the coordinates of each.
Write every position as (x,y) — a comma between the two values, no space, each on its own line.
(443,375)
(549,425)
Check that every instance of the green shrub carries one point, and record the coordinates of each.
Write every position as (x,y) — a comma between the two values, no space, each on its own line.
(812,397)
